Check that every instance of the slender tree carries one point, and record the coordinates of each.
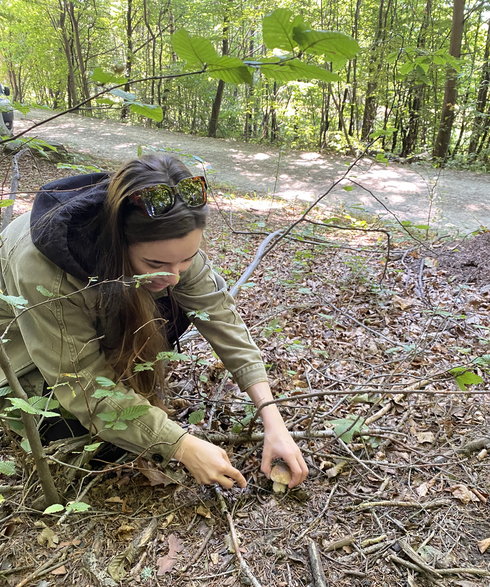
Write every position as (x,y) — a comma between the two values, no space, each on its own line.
(443,138)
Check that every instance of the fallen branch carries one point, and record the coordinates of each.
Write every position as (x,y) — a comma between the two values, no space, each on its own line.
(317,571)
(367,505)
(234,538)
(474,446)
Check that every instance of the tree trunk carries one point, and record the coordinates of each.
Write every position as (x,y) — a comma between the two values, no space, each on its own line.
(70,9)
(370,105)
(218,98)
(416,92)
(129,54)
(481,103)
(441,146)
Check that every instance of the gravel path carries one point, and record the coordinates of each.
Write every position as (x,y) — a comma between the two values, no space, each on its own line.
(453,200)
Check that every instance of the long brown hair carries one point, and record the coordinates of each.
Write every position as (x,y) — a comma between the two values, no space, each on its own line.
(132,331)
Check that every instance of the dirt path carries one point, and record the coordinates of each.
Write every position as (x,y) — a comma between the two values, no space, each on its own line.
(448,200)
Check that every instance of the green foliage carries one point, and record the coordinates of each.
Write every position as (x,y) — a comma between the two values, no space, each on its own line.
(198,315)
(7,468)
(72,507)
(37,406)
(45,292)
(196,416)
(116,420)
(464,377)
(17,302)
(103,77)
(346,428)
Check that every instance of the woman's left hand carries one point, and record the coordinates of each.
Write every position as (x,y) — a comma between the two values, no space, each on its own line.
(278,444)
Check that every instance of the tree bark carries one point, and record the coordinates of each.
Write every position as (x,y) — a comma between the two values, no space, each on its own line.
(481,117)
(441,146)
(218,98)
(416,92)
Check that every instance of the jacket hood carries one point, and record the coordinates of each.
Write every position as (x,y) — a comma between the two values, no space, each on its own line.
(64,222)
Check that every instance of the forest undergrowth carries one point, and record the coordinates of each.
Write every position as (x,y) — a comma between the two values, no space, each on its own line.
(380,358)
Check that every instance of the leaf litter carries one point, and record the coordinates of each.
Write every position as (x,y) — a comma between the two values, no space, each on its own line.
(391,491)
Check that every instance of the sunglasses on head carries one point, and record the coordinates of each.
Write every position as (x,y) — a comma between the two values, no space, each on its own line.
(157,200)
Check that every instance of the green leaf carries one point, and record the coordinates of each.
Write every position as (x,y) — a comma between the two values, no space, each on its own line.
(345,428)
(92,447)
(16,301)
(277,29)
(5,391)
(45,292)
(105,382)
(198,315)
(105,101)
(149,110)
(77,506)
(172,356)
(21,404)
(148,366)
(6,203)
(464,377)
(112,393)
(133,412)
(99,76)
(53,509)
(118,426)
(7,468)
(44,403)
(348,188)
(26,447)
(126,96)
(295,69)
(231,70)
(196,417)
(334,45)
(196,51)
(108,416)
(24,108)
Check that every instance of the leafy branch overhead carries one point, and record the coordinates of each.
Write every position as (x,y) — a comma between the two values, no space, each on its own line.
(294,46)
(288,37)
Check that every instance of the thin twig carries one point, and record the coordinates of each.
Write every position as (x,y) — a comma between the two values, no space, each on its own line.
(234,538)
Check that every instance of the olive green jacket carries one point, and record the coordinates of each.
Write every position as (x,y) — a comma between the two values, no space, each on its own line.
(57,335)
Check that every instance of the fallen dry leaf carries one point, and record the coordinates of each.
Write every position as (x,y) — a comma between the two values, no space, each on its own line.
(48,538)
(203,511)
(335,470)
(167,562)
(59,570)
(124,532)
(403,303)
(425,437)
(484,545)
(463,493)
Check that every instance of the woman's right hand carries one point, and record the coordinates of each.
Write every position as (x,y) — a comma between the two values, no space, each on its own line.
(208,463)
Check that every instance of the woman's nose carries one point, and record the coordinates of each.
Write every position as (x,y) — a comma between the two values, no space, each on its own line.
(174,278)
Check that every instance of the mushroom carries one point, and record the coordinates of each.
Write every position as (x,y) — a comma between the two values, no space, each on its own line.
(281,476)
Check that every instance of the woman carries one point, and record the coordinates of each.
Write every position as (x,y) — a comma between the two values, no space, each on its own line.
(73,258)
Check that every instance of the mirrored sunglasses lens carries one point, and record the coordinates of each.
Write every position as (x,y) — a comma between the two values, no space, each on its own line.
(158,199)
(192,191)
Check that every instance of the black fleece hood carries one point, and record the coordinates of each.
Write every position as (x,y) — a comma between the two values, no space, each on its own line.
(63,222)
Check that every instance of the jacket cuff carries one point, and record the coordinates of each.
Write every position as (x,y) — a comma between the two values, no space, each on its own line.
(250,375)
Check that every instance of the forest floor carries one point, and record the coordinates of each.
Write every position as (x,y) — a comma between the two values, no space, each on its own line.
(380,356)
(448,200)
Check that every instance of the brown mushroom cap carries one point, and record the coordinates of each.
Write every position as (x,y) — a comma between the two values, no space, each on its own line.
(281,475)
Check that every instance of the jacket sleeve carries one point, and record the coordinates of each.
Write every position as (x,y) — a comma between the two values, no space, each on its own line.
(201,289)
(60,337)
